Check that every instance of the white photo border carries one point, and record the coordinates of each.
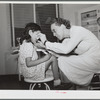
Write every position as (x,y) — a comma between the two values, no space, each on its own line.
(56,94)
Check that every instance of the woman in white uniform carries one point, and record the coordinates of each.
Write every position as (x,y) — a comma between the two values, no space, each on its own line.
(81,67)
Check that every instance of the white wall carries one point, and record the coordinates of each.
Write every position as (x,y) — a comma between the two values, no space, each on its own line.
(69,11)
(5,40)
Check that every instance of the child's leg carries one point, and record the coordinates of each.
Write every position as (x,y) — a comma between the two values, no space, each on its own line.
(54,65)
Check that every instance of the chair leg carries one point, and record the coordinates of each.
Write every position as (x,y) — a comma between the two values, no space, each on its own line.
(19,77)
(74,86)
(32,86)
(47,86)
(89,87)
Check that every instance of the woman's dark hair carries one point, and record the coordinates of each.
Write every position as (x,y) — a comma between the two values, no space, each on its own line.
(60,21)
(29,26)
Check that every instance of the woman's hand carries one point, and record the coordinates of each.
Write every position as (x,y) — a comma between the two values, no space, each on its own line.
(40,45)
(42,37)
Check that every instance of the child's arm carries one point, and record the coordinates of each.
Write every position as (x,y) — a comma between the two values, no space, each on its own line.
(31,63)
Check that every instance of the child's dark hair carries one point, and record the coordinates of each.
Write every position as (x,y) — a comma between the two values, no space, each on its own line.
(98,19)
(60,21)
(30,26)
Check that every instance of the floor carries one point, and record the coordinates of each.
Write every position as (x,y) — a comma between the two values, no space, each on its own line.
(11,82)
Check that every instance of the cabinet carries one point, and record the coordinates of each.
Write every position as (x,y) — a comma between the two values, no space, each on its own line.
(88,19)
(11,63)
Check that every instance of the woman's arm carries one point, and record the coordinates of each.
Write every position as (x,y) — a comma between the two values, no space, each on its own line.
(31,63)
(64,48)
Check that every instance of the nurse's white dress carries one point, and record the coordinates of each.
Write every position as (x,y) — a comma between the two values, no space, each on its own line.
(78,68)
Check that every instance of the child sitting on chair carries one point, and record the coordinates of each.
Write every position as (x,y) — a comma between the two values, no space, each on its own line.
(31,65)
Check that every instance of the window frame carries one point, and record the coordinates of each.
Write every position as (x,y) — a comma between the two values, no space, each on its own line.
(34,19)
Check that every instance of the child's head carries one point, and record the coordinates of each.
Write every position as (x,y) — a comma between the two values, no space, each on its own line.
(31,31)
(98,21)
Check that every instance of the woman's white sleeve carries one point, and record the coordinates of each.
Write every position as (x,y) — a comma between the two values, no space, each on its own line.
(64,48)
